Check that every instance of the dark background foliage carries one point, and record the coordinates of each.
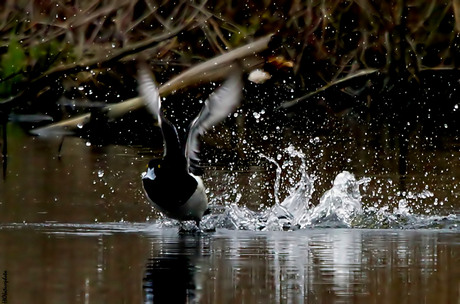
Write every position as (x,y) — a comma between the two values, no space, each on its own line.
(358,59)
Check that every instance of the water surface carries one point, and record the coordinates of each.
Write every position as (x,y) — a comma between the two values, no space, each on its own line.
(140,263)
(77,229)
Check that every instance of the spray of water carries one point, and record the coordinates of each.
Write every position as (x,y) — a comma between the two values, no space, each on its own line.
(340,206)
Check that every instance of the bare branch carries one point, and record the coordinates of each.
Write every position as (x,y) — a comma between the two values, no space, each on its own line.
(213,69)
(288,104)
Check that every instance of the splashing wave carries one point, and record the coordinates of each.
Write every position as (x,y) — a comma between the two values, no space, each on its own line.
(339,207)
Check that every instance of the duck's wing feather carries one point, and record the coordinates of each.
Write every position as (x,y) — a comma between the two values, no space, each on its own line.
(151,96)
(216,108)
(149,92)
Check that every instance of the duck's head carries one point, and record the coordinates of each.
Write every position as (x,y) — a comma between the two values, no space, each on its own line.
(152,169)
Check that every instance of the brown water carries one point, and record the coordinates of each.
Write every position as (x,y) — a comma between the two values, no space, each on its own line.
(134,263)
(79,230)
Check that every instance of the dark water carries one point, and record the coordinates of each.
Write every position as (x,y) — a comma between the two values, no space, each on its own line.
(136,263)
(78,230)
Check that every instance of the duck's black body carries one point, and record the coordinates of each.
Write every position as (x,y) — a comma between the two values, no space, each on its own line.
(168,183)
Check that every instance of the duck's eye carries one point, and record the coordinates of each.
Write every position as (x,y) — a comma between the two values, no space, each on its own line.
(158,166)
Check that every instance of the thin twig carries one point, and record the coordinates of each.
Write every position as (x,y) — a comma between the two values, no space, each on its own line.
(288,104)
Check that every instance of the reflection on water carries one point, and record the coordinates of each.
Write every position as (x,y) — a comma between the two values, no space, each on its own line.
(86,184)
(170,272)
(140,263)
(321,266)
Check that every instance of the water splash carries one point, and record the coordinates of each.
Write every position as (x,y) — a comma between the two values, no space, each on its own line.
(340,206)
(337,207)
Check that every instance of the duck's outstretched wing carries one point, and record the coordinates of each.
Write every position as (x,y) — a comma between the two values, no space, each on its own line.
(151,96)
(216,108)
(149,91)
